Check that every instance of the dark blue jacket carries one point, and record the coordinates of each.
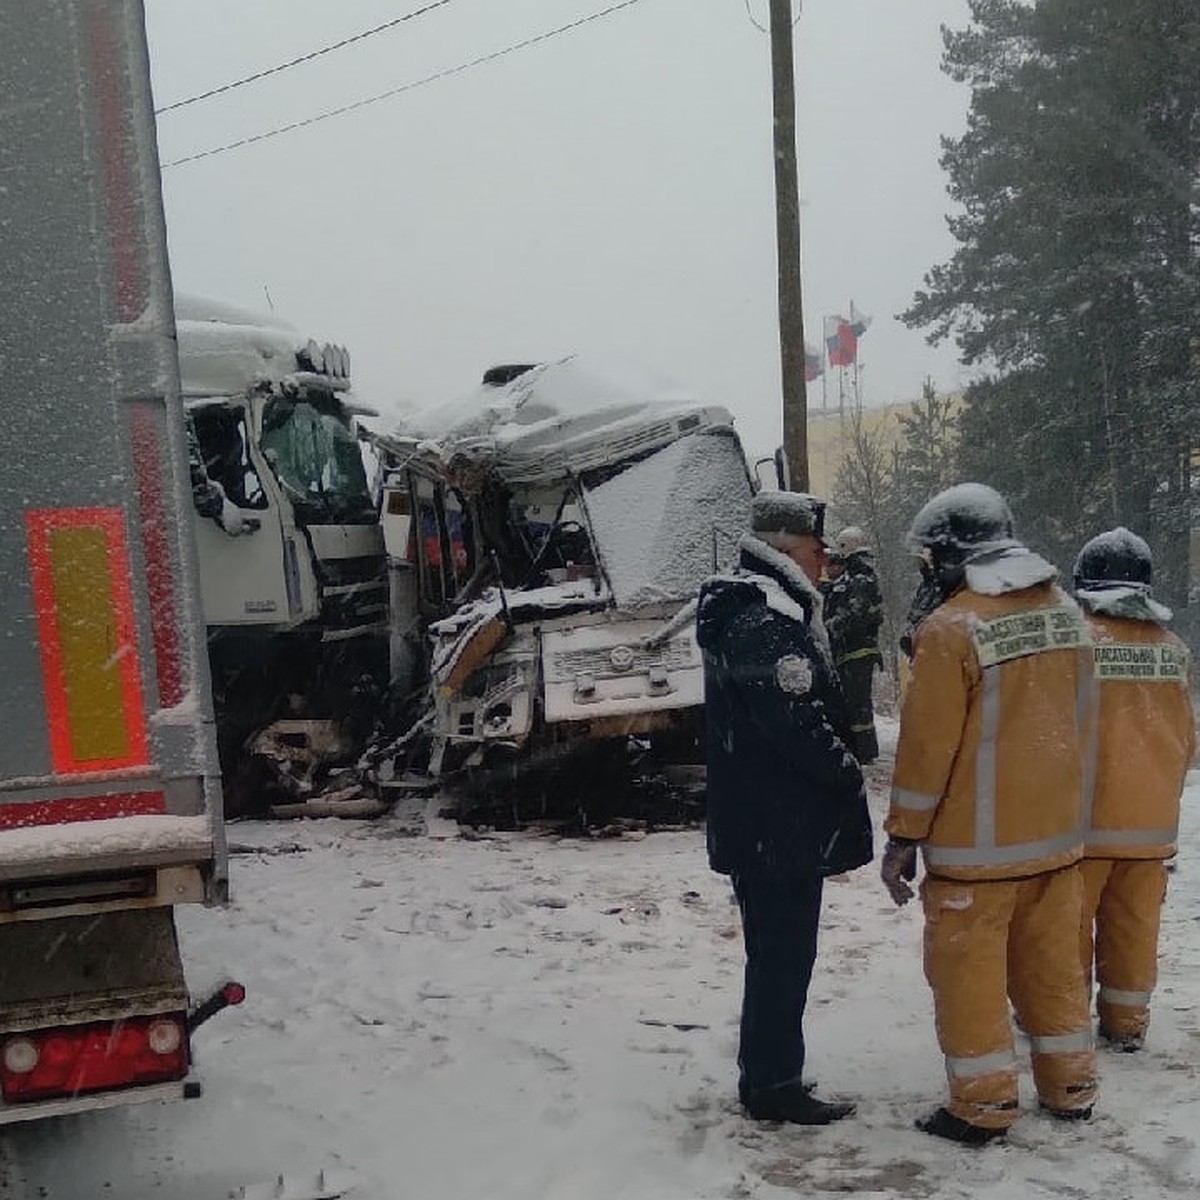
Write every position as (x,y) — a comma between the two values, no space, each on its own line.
(785,794)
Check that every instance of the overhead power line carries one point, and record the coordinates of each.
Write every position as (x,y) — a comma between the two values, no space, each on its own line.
(404,87)
(295,62)
(760,26)
(753,19)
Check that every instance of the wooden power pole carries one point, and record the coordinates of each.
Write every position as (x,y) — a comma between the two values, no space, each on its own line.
(787,237)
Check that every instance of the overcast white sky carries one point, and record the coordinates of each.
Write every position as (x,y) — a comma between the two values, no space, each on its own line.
(608,191)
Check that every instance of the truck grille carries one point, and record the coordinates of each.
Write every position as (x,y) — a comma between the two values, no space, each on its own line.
(597,660)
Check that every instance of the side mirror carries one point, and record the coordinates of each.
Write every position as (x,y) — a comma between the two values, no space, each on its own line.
(781,475)
(783,472)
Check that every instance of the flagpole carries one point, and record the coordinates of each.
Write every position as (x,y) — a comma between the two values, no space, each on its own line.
(854,377)
(859,322)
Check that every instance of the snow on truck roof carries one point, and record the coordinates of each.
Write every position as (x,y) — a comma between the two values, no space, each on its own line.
(562,417)
(226,350)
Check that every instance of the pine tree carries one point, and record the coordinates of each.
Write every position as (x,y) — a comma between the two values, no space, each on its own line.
(1076,281)
(929,440)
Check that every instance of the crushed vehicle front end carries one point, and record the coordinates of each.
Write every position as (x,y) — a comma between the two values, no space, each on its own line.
(568,651)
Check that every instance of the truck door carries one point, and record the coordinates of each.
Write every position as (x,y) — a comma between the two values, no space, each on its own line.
(252,570)
(444,543)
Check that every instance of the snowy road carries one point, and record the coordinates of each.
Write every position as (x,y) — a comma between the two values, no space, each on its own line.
(517,1017)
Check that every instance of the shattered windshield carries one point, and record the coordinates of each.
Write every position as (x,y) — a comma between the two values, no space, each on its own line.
(316,457)
(668,522)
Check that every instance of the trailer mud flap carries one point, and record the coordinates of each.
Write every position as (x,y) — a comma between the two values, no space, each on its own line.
(101,966)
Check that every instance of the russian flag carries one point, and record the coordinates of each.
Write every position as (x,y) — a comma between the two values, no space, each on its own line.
(841,344)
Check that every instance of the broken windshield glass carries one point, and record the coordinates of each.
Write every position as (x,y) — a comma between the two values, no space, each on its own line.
(317,458)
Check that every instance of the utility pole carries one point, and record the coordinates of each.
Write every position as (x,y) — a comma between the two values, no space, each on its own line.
(787,238)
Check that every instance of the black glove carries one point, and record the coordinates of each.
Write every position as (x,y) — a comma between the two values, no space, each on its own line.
(899,864)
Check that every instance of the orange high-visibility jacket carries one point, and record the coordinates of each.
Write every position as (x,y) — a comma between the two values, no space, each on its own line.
(1145,739)
(989,763)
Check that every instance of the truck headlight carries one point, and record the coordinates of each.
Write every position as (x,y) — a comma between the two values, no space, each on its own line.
(497,717)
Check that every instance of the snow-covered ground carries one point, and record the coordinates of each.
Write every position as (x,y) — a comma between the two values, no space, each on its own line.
(517,1017)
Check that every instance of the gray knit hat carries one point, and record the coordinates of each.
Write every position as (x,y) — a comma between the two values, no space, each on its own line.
(788,512)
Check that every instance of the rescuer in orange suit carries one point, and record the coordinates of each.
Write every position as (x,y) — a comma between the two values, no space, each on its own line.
(987,784)
(1145,742)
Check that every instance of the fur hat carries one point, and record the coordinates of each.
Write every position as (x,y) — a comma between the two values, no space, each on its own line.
(788,512)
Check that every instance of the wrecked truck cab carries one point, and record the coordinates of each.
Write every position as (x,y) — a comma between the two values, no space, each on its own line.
(549,536)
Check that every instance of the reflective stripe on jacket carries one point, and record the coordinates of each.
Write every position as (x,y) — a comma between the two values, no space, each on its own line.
(989,762)
(1145,740)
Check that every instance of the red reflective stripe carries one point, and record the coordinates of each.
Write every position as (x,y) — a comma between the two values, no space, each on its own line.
(39,525)
(160,580)
(117,148)
(67,810)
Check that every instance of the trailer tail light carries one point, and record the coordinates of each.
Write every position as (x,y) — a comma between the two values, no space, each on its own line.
(164,1037)
(102,1056)
(20,1055)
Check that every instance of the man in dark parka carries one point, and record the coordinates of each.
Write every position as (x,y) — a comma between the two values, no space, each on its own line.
(786,805)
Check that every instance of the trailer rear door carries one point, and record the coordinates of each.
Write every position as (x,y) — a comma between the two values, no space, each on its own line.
(109,789)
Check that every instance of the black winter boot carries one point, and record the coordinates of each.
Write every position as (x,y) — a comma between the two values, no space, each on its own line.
(944,1124)
(797,1106)
(1126,1043)
(1067,1114)
(748,1098)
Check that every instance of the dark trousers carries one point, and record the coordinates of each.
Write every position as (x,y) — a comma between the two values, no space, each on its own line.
(779,927)
(857,676)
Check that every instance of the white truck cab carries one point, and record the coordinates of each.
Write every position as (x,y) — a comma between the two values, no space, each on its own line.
(292,568)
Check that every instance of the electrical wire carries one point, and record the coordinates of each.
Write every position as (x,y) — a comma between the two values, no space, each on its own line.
(295,62)
(753,19)
(761,27)
(405,87)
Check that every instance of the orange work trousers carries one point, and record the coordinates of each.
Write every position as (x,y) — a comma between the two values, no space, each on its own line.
(1118,936)
(987,943)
